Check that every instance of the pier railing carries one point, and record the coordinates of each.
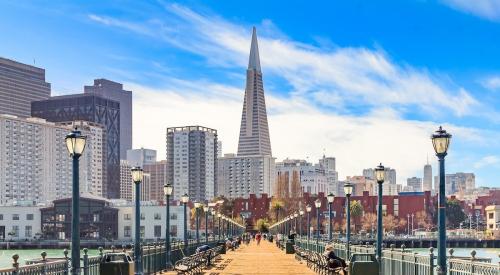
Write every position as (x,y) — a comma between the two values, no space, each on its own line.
(403,261)
(153,259)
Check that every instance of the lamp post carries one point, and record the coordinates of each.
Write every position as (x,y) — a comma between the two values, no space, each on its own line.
(408,227)
(219,215)
(295,216)
(206,209)
(308,210)
(185,200)
(470,223)
(301,214)
(317,203)
(75,143)
(330,199)
(440,142)
(167,190)
(348,191)
(137,175)
(380,177)
(197,206)
(412,223)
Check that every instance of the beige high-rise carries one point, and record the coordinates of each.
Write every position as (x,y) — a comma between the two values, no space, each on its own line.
(254,131)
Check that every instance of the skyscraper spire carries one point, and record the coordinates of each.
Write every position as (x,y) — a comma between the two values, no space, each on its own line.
(254,60)
(254,131)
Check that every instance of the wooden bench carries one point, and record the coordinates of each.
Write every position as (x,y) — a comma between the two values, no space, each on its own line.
(195,263)
(316,261)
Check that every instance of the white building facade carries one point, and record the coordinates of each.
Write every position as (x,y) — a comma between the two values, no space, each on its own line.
(19,223)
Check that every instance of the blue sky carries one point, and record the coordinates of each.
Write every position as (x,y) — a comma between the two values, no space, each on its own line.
(365,81)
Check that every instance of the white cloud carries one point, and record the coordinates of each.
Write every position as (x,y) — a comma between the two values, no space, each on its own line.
(489,9)
(342,76)
(492,83)
(486,161)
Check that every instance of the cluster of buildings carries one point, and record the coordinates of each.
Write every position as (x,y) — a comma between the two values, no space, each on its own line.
(35,169)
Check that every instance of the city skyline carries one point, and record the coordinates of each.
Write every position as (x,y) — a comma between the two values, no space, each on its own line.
(330,112)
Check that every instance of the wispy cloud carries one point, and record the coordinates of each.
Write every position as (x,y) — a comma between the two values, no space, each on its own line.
(342,76)
(492,83)
(489,9)
(486,161)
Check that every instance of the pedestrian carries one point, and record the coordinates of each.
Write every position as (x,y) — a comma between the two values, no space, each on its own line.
(257,238)
(333,260)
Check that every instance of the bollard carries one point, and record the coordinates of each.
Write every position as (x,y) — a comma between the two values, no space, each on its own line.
(85,261)
(431,261)
(15,264)
(44,260)
(66,269)
(113,248)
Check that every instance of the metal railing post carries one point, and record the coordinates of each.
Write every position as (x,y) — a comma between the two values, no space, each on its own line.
(85,262)
(66,267)
(44,260)
(15,264)
(431,261)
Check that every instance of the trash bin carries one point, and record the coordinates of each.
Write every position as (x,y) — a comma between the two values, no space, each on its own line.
(270,238)
(116,264)
(223,244)
(363,264)
(289,246)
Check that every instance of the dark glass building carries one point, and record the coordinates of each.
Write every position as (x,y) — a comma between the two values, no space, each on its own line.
(95,109)
(98,220)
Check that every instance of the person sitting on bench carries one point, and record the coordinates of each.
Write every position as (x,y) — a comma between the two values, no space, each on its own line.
(333,260)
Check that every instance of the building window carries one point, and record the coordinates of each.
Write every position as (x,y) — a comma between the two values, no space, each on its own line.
(384,210)
(28,231)
(143,231)
(157,216)
(15,217)
(127,231)
(96,218)
(61,217)
(173,230)
(490,215)
(143,216)
(173,216)
(29,217)
(127,217)
(15,231)
(157,231)
(1,217)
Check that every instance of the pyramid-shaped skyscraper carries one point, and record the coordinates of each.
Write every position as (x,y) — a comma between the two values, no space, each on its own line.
(254,130)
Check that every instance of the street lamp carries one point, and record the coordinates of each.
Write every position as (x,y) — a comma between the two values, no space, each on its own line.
(185,200)
(348,191)
(295,216)
(440,142)
(167,191)
(206,209)
(380,177)
(330,199)
(137,175)
(412,223)
(317,203)
(219,215)
(75,144)
(197,206)
(308,210)
(301,213)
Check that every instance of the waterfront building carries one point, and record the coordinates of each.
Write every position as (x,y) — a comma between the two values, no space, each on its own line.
(414,184)
(241,176)
(19,85)
(192,161)
(19,222)
(98,219)
(158,172)
(91,108)
(35,164)
(458,183)
(427,182)
(113,90)
(493,220)
(141,157)
(152,221)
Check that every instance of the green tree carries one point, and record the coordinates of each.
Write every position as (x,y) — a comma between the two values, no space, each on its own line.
(277,206)
(454,213)
(262,225)
(356,212)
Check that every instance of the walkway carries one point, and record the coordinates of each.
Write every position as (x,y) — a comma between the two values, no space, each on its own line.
(253,260)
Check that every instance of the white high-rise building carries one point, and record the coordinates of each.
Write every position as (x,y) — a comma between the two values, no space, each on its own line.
(427,183)
(141,157)
(390,175)
(192,161)
(414,184)
(34,162)
(238,177)
(458,183)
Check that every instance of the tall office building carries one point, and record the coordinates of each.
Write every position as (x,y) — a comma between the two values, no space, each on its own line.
(414,184)
(34,162)
(427,183)
(254,163)
(159,173)
(390,175)
(254,131)
(19,85)
(141,157)
(192,161)
(458,183)
(114,91)
(126,184)
(92,108)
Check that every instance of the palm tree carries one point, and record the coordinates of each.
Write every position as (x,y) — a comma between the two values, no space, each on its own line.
(356,212)
(277,205)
